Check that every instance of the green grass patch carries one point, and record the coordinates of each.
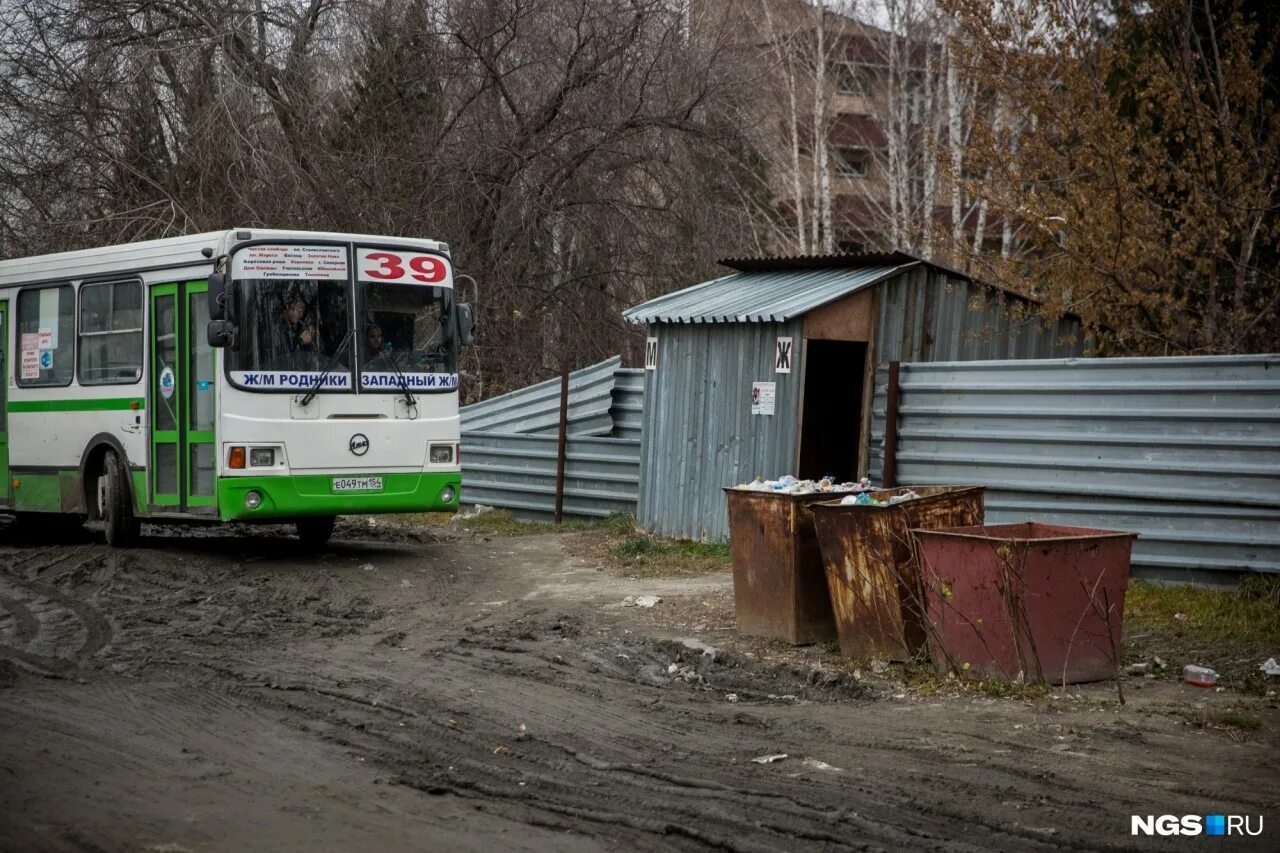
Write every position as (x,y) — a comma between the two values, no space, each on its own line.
(640,554)
(649,546)
(1249,614)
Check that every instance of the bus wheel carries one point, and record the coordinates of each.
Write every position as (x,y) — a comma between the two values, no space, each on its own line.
(117,511)
(317,530)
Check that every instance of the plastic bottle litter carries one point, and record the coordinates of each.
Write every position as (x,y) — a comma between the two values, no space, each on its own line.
(1200,676)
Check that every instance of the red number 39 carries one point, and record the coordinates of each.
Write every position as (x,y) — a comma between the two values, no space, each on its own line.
(423,268)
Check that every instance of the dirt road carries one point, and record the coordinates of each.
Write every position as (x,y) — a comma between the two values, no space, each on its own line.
(399,690)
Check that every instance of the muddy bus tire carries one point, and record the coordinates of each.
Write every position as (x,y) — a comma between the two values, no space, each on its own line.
(316,531)
(118,521)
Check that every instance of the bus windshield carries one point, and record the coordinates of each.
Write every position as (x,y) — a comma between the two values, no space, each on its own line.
(290,331)
(407,337)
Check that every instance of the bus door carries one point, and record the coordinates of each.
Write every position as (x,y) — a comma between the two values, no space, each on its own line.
(182,469)
(5,495)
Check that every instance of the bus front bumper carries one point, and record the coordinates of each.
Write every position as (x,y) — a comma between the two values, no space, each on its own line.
(296,496)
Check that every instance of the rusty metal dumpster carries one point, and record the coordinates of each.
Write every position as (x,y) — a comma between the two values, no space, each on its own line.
(870,565)
(1027,602)
(779,589)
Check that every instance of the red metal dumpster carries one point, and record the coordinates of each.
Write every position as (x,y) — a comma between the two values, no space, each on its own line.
(779,589)
(1028,601)
(871,566)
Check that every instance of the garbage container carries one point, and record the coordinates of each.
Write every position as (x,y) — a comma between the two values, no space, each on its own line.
(871,571)
(779,589)
(1028,601)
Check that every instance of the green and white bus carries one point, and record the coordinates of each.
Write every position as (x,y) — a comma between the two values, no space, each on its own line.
(242,375)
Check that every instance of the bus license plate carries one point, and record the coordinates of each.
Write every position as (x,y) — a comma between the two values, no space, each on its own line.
(357,484)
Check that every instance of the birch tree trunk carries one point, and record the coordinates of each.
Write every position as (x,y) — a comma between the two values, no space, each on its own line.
(955,146)
(782,50)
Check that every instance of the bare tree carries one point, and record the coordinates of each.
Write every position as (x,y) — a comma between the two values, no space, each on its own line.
(565,148)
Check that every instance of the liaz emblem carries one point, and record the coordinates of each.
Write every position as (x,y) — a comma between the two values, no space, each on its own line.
(359,444)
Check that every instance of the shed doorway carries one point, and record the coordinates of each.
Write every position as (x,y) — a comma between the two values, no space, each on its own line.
(831,418)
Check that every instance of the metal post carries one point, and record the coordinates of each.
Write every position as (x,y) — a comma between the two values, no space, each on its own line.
(889,477)
(562,444)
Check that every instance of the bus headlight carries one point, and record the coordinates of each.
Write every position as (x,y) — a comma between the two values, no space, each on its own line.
(441,454)
(253,499)
(262,457)
(446,495)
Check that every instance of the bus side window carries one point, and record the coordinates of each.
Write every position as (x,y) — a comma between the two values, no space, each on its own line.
(46,336)
(111,333)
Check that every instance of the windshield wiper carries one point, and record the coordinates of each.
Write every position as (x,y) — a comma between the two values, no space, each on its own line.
(409,399)
(333,361)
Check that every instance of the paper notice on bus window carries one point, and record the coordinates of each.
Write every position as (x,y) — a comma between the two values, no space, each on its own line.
(44,339)
(49,317)
(30,364)
(30,340)
(289,262)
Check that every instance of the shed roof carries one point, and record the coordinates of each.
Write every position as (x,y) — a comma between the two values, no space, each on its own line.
(762,296)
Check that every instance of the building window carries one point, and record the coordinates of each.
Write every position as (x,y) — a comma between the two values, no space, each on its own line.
(849,79)
(852,162)
(111,333)
(46,336)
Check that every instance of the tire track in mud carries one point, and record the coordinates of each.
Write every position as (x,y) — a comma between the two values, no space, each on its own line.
(568,720)
(602,776)
(45,630)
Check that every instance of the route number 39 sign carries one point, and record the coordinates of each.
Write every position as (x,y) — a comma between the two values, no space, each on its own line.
(397,267)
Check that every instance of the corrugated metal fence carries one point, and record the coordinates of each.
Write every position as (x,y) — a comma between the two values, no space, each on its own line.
(509,445)
(1185,451)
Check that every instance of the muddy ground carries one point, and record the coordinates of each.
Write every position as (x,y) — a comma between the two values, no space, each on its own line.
(426,689)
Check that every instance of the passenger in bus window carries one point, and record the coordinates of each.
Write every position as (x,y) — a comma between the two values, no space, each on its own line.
(376,358)
(373,340)
(300,332)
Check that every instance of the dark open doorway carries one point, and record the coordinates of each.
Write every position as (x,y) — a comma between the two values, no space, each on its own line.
(831,423)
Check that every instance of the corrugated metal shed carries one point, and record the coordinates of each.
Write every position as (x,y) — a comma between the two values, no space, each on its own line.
(715,339)
(759,297)
(928,314)
(699,433)
(1185,451)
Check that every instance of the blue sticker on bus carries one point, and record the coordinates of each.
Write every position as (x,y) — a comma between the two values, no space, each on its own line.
(202,385)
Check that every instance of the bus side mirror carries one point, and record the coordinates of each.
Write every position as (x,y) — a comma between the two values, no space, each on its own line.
(466,325)
(217,296)
(222,333)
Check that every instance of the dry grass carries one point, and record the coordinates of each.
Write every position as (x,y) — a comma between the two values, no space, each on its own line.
(1230,630)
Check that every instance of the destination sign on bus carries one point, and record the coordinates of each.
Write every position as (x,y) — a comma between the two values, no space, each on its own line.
(412,381)
(305,380)
(400,267)
(290,379)
(290,262)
